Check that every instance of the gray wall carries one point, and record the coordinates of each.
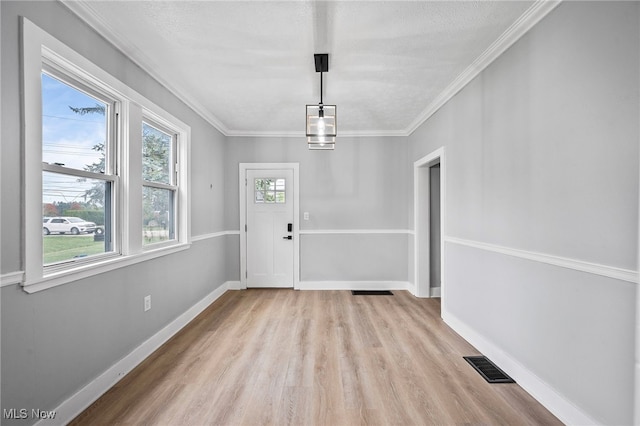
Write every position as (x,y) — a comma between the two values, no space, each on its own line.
(56,341)
(542,156)
(353,257)
(362,185)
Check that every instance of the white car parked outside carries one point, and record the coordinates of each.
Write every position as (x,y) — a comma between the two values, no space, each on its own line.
(62,225)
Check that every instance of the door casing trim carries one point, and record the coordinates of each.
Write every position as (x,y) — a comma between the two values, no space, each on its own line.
(242,173)
(421,222)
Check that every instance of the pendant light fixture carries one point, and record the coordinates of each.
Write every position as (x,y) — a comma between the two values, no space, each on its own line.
(321,119)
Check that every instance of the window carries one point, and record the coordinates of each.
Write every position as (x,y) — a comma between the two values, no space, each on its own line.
(159,180)
(106,180)
(77,169)
(269,191)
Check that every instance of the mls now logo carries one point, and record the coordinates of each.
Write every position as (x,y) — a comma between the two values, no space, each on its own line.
(41,414)
(23,413)
(14,413)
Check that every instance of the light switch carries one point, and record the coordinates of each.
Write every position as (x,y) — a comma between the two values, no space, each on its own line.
(306,216)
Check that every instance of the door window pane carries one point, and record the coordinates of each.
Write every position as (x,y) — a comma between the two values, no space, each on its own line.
(268,190)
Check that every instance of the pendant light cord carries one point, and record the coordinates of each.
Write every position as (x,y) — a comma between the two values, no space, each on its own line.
(320,87)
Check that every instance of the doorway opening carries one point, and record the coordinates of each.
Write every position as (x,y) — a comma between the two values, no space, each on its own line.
(429,174)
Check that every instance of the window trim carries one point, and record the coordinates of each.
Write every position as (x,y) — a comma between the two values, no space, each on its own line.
(82,83)
(41,50)
(174,177)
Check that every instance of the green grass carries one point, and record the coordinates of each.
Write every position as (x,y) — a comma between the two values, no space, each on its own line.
(58,248)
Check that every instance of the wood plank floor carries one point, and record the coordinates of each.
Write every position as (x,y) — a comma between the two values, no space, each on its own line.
(281,357)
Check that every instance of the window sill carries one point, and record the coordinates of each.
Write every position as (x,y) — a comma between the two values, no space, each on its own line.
(85,271)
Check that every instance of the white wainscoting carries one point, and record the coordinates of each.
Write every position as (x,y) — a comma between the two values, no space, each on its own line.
(354,231)
(82,399)
(214,235)
(11,278)
(578,265)
(542,391)
(562,408)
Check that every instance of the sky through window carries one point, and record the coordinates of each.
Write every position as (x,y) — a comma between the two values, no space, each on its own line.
(69,138)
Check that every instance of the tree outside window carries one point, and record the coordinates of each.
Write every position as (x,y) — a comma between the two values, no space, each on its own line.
(159,191)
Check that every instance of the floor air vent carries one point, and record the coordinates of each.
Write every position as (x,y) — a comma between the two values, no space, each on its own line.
(371,293)
(488,369)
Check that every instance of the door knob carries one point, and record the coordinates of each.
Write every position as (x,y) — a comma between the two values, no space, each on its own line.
(288,237)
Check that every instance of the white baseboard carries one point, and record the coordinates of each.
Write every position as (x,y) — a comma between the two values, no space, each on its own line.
(557,404)
(234,285)
(356,285)
(78,402)
(434,292)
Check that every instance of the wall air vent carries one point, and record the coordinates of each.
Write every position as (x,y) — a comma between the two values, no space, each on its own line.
(371,293)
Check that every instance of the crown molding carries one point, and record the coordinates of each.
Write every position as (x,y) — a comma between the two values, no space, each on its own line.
(301,134)
(265,134)
(84,10)
(374,133)
(531,17)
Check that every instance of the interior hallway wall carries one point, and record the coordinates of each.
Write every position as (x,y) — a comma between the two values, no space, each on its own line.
(56,341)
(542,171)
(362,185)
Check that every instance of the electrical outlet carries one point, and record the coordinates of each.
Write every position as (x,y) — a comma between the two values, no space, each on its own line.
(147,303)
(306,215)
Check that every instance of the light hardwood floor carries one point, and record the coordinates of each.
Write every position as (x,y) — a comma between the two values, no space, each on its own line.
(281,357)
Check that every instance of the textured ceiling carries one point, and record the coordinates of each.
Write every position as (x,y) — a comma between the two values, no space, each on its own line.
(248,68)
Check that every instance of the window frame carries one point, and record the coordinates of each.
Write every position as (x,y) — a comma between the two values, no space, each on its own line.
(77,82)
(275,192)
(174,177)
(40,50)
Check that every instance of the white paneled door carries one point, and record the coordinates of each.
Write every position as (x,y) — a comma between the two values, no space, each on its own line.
(269,220)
